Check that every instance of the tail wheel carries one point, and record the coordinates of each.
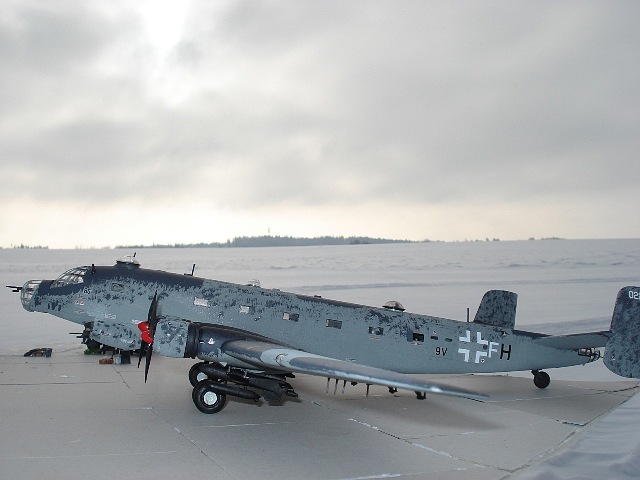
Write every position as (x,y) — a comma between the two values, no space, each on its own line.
(206,399)
(541,379)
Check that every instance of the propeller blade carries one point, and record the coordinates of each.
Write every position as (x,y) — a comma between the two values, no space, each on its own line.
(153,310)
(143,349)
(146,338)
(147,362)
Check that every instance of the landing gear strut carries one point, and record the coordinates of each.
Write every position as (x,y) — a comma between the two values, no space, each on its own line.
(541,379)
(212,383)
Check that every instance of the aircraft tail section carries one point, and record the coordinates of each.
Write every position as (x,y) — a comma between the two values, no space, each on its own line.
(622,354)
(498,308)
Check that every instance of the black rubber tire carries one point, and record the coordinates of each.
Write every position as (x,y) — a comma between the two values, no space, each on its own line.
(195,375)
(541,379)
(207,400)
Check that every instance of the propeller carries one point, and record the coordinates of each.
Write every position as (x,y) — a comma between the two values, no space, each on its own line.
(148,330)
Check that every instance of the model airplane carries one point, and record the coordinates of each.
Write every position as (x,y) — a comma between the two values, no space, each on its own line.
(251,340)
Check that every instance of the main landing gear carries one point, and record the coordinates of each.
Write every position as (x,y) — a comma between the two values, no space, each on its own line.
(208,399)
(541,379)
(212,383)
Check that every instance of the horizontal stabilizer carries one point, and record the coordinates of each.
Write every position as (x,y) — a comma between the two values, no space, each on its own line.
(575,341)
(498,308)
(271,355)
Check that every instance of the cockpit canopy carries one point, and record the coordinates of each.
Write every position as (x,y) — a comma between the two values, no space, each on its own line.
(70,277)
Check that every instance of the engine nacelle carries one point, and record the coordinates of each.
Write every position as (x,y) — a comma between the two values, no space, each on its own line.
(172,338)
(116,335)
(179,338)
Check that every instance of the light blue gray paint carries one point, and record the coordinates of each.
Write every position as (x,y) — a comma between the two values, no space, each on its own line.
(320,336)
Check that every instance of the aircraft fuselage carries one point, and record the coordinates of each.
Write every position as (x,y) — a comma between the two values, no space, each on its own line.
(115,299)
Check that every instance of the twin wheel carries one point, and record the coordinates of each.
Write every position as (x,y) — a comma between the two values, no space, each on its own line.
(212,383)
(205,398)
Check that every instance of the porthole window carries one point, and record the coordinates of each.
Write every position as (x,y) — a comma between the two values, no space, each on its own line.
(376,331)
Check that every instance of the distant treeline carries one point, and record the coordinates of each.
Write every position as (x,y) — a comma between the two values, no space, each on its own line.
(277,241)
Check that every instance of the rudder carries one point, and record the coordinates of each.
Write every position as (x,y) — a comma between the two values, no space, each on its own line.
(622,354)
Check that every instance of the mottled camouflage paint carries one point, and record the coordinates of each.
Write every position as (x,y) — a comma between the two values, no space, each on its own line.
(116,334)
(171,337)
(116,298)
(623,350)
(498,308)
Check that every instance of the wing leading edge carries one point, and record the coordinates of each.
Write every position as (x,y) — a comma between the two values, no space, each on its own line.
(271,355)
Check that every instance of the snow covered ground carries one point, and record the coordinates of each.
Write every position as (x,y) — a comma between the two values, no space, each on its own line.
(563,286)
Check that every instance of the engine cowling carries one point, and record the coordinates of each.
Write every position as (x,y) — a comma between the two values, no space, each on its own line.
(180,338)
(176,338)
(116,335)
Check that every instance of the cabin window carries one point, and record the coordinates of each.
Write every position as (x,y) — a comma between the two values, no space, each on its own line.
(435,337)
(334,323)
(418,337)
(247,310)
(201,302)
(292,317)
(376,331)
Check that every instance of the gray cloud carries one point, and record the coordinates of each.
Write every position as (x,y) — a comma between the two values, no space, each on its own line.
(259,105)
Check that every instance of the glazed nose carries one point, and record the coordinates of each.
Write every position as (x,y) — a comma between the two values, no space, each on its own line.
(29,289)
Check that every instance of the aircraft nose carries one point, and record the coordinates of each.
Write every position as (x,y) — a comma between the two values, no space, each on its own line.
(29,289)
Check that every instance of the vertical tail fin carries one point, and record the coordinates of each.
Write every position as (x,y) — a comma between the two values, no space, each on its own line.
(498,308)
(622,354)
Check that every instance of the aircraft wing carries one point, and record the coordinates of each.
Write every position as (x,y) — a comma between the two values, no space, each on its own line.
(271,355)
(574,341)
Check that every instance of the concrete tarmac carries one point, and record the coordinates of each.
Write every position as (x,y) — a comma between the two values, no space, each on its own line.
(70,417)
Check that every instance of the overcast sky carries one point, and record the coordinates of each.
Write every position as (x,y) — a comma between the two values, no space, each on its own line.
(196,121)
